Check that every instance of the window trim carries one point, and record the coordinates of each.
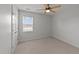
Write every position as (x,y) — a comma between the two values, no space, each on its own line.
(32,23)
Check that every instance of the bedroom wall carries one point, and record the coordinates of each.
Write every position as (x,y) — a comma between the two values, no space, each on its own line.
(41,26)
(5,28)
(65,24)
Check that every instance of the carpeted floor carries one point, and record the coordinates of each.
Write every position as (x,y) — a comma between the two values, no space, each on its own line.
(45,46)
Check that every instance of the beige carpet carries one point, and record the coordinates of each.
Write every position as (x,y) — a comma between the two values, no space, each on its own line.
(45,46)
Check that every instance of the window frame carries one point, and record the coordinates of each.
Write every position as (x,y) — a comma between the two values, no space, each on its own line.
(23,24)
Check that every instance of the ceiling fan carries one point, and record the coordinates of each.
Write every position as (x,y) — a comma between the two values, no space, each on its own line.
(50,8)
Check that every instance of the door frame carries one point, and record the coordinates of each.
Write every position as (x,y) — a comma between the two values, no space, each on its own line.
(12,31)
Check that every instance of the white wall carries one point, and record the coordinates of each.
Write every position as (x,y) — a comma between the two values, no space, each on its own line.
(65,24)
(5,28)
(41,25)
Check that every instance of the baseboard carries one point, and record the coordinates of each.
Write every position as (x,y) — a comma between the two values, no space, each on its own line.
(68,42)
(61,39)
(21,41)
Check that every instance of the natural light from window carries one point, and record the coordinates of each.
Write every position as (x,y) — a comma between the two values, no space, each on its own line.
(27,23)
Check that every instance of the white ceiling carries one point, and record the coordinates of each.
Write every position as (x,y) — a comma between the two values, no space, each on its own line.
(32,8)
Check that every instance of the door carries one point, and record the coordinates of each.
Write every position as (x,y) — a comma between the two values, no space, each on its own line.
(5,28)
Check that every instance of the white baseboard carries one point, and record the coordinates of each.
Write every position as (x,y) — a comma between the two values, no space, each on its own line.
(33,39)
(62,39)
(68,42)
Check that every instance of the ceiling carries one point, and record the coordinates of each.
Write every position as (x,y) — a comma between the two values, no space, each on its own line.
(32,8)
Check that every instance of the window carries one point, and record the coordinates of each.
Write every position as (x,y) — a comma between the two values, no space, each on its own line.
(27,23)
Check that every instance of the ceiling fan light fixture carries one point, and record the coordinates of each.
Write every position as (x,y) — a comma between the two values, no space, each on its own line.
(47,11)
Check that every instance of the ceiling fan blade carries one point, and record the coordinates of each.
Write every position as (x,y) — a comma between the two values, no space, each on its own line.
(52,11)
(40,9)
(58,6)
(46,5)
